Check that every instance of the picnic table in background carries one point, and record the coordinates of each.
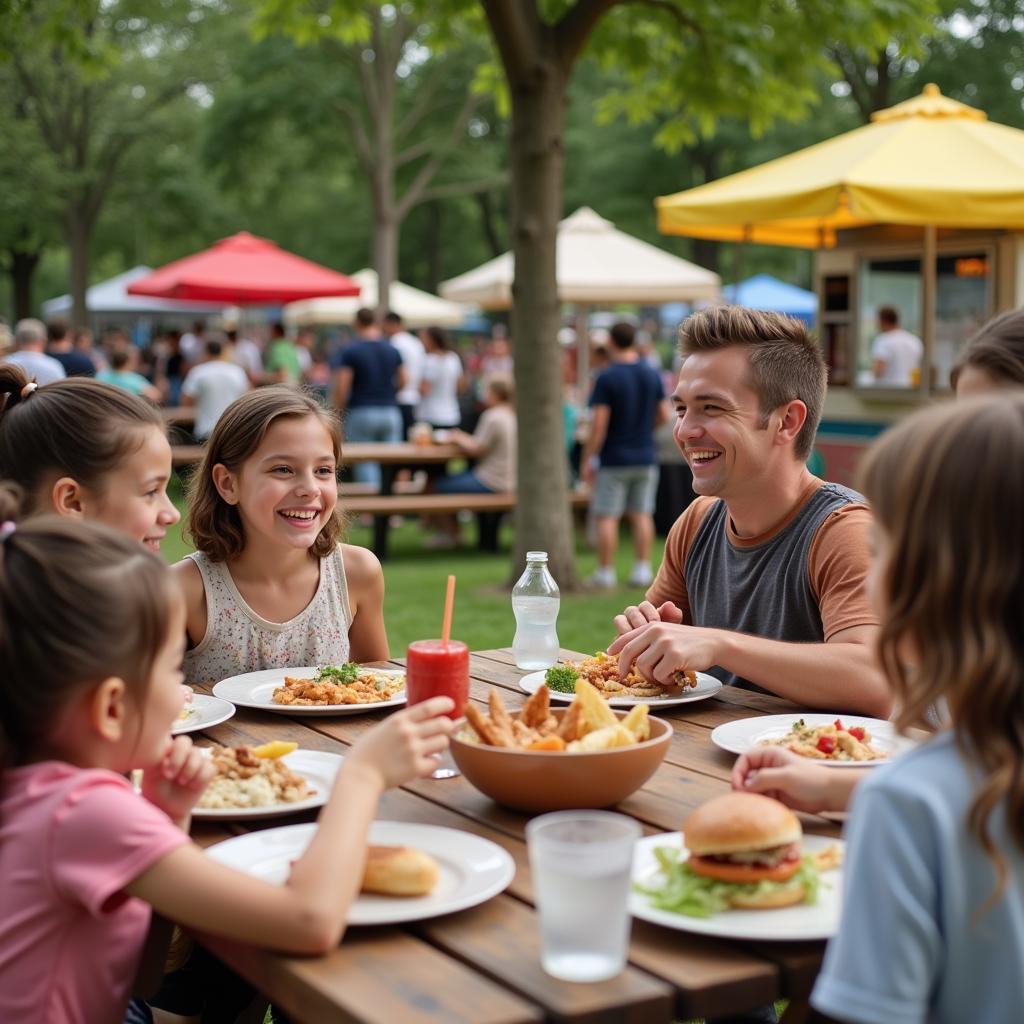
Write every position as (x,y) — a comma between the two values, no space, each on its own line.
(483,965)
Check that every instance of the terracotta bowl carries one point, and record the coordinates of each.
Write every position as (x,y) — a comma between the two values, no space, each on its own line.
(536,780)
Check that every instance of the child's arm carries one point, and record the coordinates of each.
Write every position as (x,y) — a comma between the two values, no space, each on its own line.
(307,914)
(795,781)
(189,579)
(367,637)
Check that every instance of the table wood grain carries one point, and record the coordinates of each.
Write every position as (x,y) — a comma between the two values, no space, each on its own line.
(483,964)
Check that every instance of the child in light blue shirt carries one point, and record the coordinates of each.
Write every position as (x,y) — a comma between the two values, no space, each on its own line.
(932,925)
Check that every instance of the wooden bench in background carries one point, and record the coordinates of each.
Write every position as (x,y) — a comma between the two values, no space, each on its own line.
(489,509)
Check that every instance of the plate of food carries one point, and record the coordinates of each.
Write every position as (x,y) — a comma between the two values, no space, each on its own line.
(348,689)
(202,712)
(266,781)
(740,869)
(413,871)
(839,741)
(602,672)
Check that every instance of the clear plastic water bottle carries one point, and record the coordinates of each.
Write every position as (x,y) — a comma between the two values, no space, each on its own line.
(535,602)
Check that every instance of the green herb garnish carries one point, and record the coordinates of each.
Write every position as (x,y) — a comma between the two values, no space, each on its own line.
(561,678)
(347,673)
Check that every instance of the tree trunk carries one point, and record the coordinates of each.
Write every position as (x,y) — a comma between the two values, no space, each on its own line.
(21,269)
(385,256)
(79,237)
(543,520)
(706,253)
(488,223)
(435,252)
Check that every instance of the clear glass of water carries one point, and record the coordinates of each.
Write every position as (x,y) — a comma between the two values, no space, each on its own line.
(581,864)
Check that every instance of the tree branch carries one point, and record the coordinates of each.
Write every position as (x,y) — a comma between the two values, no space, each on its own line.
(575,26)
(360,138)
(420,108)
(516,29)
(463,188)
(414,193)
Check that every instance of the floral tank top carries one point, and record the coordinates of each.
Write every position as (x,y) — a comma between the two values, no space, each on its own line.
(238,640)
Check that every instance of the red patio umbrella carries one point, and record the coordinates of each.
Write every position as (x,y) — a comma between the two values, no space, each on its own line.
(244,270)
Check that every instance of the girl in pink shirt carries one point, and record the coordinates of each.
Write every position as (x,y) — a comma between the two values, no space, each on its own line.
(91,640)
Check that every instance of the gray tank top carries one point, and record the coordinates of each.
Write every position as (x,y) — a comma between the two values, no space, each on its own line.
(763,590)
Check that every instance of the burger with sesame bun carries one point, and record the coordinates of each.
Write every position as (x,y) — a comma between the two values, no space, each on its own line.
(744,851)
(751,843)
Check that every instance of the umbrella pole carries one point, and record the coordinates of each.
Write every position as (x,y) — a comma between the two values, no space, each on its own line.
(582,355)
(928,296)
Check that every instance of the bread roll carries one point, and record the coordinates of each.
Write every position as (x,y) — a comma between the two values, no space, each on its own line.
(399,871)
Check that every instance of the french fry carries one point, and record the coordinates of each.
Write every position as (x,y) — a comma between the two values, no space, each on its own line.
(638,723)
(595,712)
(603,739)
(500,719)
(537,708)
(569,729)
(523,734)
(484,727)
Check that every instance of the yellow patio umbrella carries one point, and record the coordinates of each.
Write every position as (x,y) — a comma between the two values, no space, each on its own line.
(931,162)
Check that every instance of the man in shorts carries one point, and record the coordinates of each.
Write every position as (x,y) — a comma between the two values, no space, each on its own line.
(619,461)
(764,577)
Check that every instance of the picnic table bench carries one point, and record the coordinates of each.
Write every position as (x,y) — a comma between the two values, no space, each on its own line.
(483,965)
(396,499)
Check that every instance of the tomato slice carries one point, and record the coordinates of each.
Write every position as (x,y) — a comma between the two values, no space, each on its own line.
(827,744)
(839,725)
(857,732)
(743,873)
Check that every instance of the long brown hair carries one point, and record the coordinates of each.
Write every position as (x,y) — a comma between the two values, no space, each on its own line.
(79,602)
(76,427)
(215,526)
(998,349)
(947,489)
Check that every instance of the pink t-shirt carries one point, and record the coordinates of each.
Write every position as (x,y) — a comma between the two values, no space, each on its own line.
(70,840)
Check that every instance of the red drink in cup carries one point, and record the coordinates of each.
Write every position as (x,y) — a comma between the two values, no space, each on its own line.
(434,668)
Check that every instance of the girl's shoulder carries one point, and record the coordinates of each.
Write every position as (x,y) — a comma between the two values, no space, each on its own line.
(362,567)
(189,579)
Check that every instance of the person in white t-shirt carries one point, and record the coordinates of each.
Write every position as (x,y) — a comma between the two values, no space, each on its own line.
(895,353)
(246,354)
(441,381)
(212,386)
(413,354)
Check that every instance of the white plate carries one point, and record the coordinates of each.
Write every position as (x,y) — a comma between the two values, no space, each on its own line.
(472,869)
(256,690)
(707,686)
(317,767)
(747,733)
(788,924)
(203,713)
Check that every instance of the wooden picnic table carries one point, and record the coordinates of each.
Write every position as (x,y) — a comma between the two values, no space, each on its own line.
(483,965)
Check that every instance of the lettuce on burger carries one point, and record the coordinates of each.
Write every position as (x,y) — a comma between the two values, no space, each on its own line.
(744,851)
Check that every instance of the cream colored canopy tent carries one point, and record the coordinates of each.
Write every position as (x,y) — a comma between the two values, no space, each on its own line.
(596,264)
(416,308)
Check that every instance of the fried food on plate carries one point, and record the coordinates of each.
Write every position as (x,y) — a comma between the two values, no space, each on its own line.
(588,724)
(248,778)
(602,672)
(345,684)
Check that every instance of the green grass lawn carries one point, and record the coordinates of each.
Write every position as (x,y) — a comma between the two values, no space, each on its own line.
(415,581)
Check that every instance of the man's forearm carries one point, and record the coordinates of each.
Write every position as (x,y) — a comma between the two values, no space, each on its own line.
(834,677)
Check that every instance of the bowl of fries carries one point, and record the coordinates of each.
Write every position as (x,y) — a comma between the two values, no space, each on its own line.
(538,759)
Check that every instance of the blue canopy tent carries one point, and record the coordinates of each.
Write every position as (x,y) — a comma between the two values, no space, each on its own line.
(762,291)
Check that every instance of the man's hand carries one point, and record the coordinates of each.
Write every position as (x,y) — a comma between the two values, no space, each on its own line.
(637,615)
(661,649)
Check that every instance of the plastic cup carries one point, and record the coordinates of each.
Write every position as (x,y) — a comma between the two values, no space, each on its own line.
(434,668)
(581,863)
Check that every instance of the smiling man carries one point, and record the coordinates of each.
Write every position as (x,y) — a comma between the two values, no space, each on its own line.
(763,578)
